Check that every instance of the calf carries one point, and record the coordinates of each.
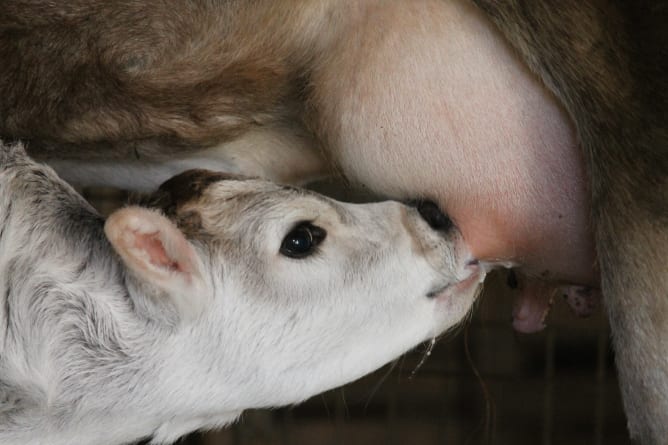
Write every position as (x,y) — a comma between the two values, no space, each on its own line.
(540,130)
(211,296)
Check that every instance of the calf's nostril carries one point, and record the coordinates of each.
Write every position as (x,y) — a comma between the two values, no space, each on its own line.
(431,213)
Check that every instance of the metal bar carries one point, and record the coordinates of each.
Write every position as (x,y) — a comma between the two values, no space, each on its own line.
(548,412)
(601,376)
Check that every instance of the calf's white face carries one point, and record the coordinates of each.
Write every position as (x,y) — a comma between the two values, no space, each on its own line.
(292,293)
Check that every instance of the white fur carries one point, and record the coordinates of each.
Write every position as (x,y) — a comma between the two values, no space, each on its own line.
(103,349)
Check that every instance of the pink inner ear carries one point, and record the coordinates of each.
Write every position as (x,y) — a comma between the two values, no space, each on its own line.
(152,245)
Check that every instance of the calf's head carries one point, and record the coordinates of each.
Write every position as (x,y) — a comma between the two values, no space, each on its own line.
(286,292)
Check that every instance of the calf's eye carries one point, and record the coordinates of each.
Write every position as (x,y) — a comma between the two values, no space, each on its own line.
(302,241)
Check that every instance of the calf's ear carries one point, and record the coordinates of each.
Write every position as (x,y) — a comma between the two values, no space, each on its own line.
(166,266)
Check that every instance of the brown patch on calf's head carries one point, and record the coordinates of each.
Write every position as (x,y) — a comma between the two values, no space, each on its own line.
(189,185)
(182,189)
